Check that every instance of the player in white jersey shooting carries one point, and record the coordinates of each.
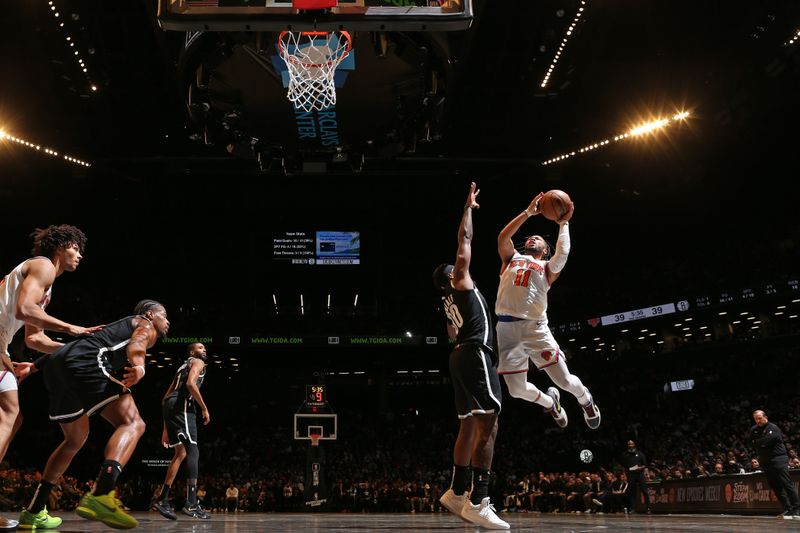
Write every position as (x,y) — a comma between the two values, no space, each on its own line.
(523,334)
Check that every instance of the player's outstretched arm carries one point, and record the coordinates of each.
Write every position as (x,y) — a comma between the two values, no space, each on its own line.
(505,244)
(568,215)
(563,245)
(40,274)
(462,280)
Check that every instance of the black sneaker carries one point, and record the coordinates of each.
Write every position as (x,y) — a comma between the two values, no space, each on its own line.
(165,509)
(195,512)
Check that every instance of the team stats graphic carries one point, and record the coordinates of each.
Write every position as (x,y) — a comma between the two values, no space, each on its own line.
(318,247)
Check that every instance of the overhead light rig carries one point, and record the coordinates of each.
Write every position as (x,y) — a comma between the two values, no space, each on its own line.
(636,131)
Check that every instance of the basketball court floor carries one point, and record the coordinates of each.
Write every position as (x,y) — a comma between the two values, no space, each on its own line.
(320,522)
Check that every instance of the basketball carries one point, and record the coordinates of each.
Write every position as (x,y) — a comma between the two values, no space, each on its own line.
(554,204)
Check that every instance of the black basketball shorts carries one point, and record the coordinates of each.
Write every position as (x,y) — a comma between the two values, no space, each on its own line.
(475,382)
(180,421)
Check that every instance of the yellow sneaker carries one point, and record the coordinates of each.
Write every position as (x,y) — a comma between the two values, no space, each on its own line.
(40,520)
(107,509)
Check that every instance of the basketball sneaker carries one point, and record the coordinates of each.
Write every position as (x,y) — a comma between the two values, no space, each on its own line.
(7,523)
(483,515)
(558,414)
(107,509)
(591,413)
(454,504)
(195,511)
(165,509)
(40,520)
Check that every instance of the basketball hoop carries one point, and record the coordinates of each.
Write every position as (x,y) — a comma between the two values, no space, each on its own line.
(315,439)
(311,58)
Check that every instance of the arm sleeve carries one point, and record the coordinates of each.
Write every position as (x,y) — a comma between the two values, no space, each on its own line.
(559,258)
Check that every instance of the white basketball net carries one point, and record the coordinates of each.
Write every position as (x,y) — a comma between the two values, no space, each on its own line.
(312,58)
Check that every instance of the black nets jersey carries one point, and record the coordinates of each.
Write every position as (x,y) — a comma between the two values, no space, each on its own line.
(469,315)
(106,349)
(178,390)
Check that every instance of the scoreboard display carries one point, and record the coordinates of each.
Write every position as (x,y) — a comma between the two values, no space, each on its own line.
(315,401)
(315,395)
(317,247)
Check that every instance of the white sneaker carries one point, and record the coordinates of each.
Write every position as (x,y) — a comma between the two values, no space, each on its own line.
(558,414)
(591,413)
(483,515)
(7,523)
(454,503)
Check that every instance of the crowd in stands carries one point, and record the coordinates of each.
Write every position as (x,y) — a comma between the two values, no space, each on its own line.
(399,460)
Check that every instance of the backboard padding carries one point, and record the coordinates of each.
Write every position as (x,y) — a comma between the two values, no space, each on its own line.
(279,15)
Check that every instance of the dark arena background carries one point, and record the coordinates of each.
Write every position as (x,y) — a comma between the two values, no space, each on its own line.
(162,129)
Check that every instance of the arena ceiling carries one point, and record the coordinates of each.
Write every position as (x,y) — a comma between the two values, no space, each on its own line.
(709,201)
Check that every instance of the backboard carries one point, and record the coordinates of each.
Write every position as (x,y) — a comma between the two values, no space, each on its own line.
(280,15)
(324,425)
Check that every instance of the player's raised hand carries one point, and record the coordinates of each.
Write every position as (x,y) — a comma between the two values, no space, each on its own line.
(533,209)
(568,214)
(472,202)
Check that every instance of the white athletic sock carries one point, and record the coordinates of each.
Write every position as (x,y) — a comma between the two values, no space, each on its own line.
(585,398)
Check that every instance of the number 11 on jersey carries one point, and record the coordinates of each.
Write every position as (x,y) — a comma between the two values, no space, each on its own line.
(522,277)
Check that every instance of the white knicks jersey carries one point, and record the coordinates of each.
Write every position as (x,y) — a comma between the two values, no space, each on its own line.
(9,292)
(523,288)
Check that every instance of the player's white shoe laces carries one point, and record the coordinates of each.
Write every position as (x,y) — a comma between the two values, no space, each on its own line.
(483,515)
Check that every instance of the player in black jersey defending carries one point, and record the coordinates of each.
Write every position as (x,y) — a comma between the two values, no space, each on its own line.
(93,374)
(180,431)
(474,376)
